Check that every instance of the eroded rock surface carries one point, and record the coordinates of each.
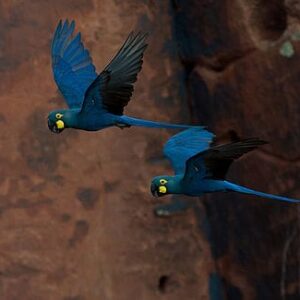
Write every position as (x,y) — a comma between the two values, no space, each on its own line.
(76,214)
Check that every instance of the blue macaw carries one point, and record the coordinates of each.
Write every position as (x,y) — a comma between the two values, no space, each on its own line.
(95,101)
(201,168)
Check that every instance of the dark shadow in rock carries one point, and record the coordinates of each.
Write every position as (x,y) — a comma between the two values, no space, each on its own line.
(65,217)
(81,230)
(163,282)
(77,297)
(268,18)
(88,197)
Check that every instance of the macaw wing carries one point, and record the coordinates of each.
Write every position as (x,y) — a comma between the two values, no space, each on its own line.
(215,162)
(113,88)
(180,147)
(72,65)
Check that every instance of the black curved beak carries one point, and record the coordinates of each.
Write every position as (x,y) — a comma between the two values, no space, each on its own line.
(53,127)
(154,190)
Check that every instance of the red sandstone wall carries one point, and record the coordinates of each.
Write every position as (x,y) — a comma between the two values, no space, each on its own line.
(76,213)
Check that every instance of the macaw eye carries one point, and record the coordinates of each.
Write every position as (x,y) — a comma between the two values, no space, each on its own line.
(163,181)
(58,116)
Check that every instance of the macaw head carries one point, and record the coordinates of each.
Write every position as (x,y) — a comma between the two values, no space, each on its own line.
(57,121)
(160,185)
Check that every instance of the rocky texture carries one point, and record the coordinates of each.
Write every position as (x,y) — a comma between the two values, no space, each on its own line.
(76,213)
(241,83)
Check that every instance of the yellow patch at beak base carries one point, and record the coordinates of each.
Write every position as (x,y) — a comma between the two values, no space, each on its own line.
(162,189)
(60,124)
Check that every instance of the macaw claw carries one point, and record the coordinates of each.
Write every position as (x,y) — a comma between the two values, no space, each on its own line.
(122,125)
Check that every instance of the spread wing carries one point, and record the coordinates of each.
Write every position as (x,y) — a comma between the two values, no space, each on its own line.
(215,162)
(180,147)
(113,88)
(72,65)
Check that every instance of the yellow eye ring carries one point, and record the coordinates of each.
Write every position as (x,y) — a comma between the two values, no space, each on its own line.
(163,181)
(58,116)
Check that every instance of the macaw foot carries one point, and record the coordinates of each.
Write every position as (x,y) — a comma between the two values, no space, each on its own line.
(170,209)
(122,125)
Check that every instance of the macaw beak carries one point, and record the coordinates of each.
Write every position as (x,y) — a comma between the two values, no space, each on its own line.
(158,191)
(56,127)
(154,190)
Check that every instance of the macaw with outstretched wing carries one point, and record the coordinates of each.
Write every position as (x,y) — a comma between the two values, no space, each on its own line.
(95,101)
(201,168)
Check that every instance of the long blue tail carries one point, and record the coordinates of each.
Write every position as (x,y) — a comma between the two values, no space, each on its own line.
(237,188)
(152,124)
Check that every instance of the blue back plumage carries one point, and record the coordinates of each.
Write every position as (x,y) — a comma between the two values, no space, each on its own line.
(180,147)
(72,65)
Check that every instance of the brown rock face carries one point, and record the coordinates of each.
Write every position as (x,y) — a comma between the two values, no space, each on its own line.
(76,213)
(254,242)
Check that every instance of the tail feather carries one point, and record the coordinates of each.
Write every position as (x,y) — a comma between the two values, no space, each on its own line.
(237,188)
(152,124)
